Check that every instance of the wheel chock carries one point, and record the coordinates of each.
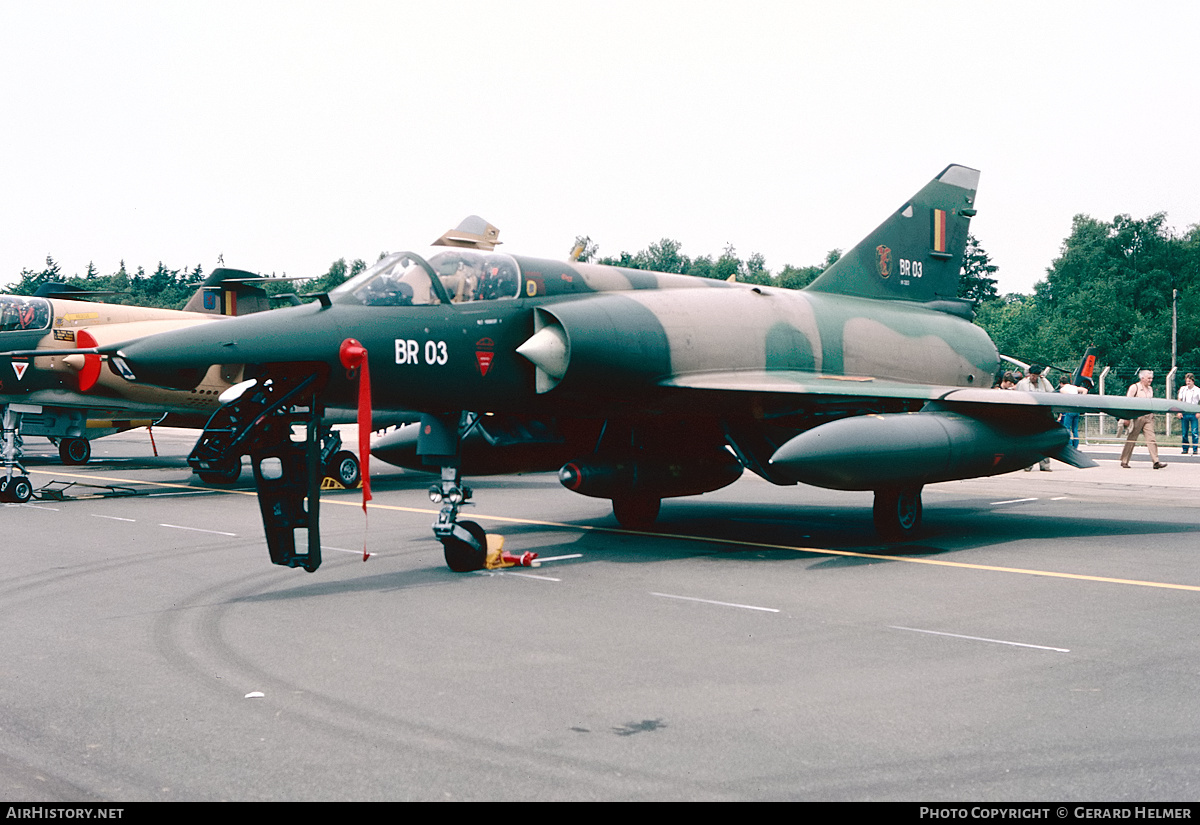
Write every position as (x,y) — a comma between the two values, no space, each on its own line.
(497,558)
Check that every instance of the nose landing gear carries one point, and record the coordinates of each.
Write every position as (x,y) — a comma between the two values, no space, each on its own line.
(465,545)
(14,485)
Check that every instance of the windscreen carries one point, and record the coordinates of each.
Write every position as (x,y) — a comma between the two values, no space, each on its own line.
(21,313)
(407,279)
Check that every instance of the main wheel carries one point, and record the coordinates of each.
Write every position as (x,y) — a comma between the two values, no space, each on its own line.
(343,467)
(17,489)
(224,475)
(636,513)
(898,513)
(462,557)
(74,450)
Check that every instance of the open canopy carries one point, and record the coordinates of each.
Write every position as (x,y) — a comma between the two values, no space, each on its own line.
(443,275)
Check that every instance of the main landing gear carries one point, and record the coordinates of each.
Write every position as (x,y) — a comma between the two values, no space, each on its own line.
(74,451)
(636,512)
(342,466)
(898,512)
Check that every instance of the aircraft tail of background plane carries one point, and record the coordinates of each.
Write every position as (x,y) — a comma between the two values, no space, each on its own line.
(1082,377)
(917,253)
(230,292)
(224,292)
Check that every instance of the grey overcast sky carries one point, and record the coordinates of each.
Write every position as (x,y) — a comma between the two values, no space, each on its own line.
(285,135)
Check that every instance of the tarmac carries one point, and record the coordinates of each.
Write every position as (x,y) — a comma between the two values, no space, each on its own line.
(1038,642)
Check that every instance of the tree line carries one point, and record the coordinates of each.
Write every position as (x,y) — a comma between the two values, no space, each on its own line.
(166,288)
(1110,287)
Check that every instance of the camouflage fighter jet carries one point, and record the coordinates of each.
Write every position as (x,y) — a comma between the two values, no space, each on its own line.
(638,385)
(70,399)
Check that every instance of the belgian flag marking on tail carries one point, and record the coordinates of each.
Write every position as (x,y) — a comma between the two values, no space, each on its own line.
(939,231)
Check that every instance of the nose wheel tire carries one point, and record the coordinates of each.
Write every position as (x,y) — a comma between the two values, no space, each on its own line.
(462,556)
(74,451)
(17,489)
(898,513)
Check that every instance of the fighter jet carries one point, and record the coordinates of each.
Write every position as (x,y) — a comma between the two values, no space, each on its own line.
(69,398)
(638,386)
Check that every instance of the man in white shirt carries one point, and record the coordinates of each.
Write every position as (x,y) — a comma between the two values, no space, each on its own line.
(1190,394)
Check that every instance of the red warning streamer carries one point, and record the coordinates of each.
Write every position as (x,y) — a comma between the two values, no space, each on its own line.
(353,356)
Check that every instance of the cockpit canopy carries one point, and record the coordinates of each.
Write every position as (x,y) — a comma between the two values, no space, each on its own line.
(18,313)
(444,275)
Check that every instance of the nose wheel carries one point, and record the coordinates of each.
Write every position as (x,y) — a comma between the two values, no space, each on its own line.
(16,489)
(467,546)
(466,554)
(464,543)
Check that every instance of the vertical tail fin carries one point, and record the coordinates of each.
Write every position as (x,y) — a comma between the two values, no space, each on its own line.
(917,253)
(230,292)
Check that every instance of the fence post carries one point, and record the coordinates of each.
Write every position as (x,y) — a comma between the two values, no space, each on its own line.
(1170,395)
(1103,417)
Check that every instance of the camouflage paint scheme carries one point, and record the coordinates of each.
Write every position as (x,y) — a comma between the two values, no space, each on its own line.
(646,385)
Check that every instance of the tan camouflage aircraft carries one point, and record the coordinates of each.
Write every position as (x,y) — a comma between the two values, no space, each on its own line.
(70,399)
(637,385)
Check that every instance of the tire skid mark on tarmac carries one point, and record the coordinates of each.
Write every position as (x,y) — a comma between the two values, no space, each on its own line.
(192,639)
(20,585)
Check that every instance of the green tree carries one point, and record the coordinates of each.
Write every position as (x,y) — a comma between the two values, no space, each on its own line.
(977,283)
(703,267)
(338,273)
(664,256)
(1110,287)
(31,279)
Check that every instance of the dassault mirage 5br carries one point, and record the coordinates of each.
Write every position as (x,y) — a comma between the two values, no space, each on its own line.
(638,385)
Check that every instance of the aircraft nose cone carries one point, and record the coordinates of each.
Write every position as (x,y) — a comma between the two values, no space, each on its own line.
(547,349)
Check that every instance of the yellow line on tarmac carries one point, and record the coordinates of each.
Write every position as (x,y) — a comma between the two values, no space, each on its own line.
(940,563)
(824,552)
(816,551)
